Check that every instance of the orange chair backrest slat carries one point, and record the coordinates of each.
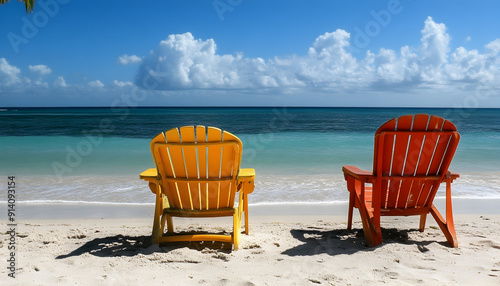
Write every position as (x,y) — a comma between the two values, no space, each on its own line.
(412,155)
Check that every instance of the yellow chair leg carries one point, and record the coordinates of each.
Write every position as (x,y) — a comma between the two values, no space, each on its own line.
(236,230)
(156,233)
(170,223)
(245,209)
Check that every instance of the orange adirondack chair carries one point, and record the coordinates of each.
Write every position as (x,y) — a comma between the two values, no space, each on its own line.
(198,175)
(411,160)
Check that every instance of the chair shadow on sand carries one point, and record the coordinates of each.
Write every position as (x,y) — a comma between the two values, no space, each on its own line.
(315,241)
(342,241)
(122,245)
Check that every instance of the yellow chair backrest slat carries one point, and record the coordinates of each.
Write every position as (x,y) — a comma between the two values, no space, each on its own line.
(198,167)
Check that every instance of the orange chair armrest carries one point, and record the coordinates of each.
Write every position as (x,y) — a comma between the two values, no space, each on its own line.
(453,176)
(358,174)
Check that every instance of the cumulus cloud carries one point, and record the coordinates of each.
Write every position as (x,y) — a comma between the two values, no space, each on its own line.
(60,82)
(434,51)
(96,83)
(122,83)
(40,69)
(9,75)
(183,62)
(435,43)
(493,48)
(328,60)
(126,59)
(469,65)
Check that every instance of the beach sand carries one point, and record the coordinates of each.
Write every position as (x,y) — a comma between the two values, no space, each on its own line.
(292,245)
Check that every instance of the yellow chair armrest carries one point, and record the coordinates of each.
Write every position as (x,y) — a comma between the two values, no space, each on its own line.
(149,175)
(246,177)
(246,174)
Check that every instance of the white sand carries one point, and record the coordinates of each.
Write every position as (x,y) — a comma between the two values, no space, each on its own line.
(280,250)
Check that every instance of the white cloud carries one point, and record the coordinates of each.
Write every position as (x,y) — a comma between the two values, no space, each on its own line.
(182,65)
(60,82)
(328,61)
(126,59)
(96,83)
(183,62)
(122,83)
(9,75)
(468,39)
(468,65)
(493,48)
(434,51)
(40,69)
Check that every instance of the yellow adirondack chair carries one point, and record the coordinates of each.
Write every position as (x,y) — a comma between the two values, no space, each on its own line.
(198,175)
(411,159)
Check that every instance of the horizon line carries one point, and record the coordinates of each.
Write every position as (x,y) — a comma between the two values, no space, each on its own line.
(246,106)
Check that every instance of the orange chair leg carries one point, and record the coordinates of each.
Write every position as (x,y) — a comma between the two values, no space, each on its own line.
(446,227)
(373,233)
(422,222)
(351,208)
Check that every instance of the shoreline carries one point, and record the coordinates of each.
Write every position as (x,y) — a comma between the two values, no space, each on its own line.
(89,210)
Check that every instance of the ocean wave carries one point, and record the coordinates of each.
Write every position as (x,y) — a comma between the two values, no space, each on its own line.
(269,189)
(65,202)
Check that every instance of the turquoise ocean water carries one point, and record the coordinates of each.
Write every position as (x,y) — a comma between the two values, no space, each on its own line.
(95,155)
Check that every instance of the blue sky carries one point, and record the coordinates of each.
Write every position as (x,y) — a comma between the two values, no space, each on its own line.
(250,53)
